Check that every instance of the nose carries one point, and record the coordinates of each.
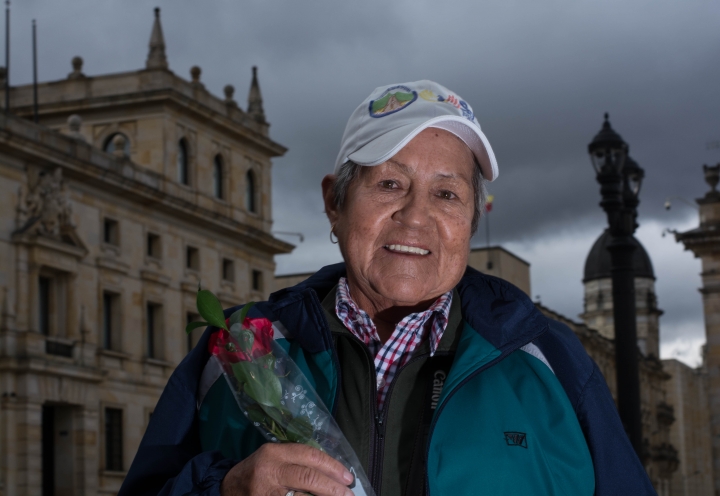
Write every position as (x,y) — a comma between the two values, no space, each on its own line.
(415,211)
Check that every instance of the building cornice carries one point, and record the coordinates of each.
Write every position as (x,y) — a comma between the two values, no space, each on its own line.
(148,87)
(87,164)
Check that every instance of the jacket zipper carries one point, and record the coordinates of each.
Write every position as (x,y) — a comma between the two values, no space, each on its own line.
(377,437)
(378,452)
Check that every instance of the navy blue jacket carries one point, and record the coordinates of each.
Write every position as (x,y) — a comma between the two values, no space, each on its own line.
(170,460)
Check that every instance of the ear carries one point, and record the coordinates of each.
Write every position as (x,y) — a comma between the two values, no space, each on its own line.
(331,210)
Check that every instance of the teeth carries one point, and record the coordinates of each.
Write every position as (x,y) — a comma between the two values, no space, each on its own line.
(408,249)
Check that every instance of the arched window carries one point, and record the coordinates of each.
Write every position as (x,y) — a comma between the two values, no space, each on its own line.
(250,200)
(109,145)
(182,162)
(218,177)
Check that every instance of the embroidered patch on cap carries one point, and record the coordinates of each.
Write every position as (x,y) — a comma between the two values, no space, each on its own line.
(393,100)
(452,100)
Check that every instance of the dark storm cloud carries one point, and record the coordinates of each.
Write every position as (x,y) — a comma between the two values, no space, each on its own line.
(538,74)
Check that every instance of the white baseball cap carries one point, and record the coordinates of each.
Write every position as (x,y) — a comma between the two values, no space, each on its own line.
(393,115)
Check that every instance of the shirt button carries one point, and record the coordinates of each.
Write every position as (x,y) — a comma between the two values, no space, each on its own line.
(380,382)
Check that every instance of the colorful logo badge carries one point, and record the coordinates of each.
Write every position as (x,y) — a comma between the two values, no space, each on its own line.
(393,100)
(461,105)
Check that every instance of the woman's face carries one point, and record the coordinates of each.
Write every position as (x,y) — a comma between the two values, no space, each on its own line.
(404,229)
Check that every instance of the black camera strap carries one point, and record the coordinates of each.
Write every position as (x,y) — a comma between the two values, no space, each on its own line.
(434,373)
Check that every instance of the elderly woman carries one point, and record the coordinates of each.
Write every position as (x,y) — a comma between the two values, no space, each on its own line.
(444,380)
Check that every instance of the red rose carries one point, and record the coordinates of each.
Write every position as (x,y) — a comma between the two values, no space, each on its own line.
(224,346)
(263,331)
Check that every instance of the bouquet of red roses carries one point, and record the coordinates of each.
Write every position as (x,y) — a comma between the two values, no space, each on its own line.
(269,387)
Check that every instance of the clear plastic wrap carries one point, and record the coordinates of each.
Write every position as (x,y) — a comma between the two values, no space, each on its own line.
(271,390)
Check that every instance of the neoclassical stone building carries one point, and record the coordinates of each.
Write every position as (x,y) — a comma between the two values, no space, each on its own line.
(698,390)
(133,189)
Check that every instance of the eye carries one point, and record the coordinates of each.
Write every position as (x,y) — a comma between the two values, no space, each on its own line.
(447,195)
(388,184)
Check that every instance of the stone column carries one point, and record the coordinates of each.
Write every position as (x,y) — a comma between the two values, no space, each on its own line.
(86,429)
(704,242)
(28,447)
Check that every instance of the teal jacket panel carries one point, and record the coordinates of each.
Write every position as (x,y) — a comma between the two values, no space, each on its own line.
(223,427)
(507,429)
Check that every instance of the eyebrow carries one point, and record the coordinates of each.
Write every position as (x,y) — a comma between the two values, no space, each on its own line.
(403,167)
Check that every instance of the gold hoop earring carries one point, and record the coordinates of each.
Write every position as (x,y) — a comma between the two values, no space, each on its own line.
(332,229)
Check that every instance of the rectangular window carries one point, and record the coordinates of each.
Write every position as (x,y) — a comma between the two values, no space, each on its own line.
(111,321)
(44,288)
(113,439)
(52,303)
(111,232)
(192,258)
(152,331)
(107,320)
(228,270)
(257,280)
(153,246)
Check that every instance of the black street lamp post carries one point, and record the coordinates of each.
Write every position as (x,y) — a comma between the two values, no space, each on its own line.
(620,179)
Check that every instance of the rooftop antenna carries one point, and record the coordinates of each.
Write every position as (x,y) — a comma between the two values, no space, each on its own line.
(7,56)
(35,83)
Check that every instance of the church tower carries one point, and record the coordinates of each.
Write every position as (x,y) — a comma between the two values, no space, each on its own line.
(598,306)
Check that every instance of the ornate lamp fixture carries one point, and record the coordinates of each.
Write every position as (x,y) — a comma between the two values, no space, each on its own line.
(620,179)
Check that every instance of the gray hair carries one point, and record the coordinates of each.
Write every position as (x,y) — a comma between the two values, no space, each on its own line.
(350,170)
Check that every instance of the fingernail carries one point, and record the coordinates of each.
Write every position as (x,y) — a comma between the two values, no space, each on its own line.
(348,477)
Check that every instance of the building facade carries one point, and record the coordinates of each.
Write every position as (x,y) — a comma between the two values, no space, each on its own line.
(702,399)
(132,191)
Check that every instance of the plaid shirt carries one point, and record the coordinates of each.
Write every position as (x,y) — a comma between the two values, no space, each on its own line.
(408,334)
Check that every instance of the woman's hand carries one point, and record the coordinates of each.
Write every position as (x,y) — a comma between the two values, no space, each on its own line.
(274,469)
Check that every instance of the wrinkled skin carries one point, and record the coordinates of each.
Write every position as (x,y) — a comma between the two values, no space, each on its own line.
(274,469)
(422,197)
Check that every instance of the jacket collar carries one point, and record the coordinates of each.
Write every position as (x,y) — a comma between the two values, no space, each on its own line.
(494,308)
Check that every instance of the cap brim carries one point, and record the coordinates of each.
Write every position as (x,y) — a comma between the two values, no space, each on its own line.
(386,146)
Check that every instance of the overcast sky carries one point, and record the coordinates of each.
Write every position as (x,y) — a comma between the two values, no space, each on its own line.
(539,76)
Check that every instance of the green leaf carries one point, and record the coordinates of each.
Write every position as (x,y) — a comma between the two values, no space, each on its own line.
(194,325)
(256,414)
(235,318)
(244,311)
(261,384)
(210,309)
(266,361)
(274,413)
(271,385)
(246,339)
(239,316)
(299,430)
(240,369)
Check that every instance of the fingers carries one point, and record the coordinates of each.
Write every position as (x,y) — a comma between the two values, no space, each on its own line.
(311,480)
(316,459)
(274,469)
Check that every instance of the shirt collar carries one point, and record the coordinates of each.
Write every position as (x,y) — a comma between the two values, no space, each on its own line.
(362,326)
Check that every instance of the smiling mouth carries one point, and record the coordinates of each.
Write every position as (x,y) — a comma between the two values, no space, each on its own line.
(412,250)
